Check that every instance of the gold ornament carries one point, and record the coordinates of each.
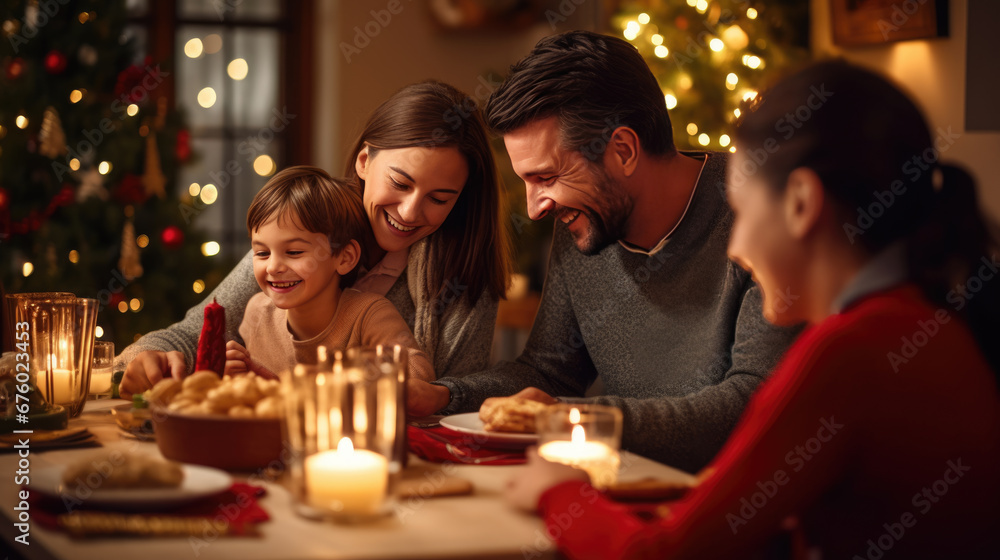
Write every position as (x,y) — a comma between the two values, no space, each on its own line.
(51,136)
(129,262)
(153,178)
(11,27)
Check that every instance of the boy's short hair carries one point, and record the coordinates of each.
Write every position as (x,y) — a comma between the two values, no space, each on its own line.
(318,203)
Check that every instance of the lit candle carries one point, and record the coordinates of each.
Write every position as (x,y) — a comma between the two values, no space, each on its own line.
(598,459)
(62,386)
(348,481)
(100,380)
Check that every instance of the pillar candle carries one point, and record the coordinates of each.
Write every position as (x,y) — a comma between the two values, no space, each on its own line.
(347,481)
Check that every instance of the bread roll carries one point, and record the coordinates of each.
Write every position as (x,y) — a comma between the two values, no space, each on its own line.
(510,414)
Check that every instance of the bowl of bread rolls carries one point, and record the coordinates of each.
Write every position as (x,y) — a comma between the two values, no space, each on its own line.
(231,423)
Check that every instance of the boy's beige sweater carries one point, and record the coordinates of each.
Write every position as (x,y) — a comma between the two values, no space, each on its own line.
(362,319)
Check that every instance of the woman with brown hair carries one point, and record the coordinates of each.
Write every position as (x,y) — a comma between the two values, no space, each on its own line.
(441,252)
(878,434)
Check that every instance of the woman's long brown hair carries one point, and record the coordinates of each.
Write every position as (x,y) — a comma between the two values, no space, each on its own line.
(474,240)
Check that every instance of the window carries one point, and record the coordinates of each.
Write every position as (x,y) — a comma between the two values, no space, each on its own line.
(240,74)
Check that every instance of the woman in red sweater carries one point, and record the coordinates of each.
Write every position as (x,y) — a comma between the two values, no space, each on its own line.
(878,435)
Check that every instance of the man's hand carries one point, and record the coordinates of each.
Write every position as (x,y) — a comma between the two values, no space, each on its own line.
(533,394)
(146,369)
(527,486)
(423,399)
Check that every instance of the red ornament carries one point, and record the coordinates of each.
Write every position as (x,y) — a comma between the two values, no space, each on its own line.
(55,62)
(681,23)
(14,69)
(183,148)
(132,85)
(172,237)
(4,199)
(131,190)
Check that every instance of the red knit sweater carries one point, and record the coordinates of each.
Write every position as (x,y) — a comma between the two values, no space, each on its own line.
(878,436)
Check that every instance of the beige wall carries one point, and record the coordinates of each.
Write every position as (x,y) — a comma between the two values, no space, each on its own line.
(410,47)
(933,72)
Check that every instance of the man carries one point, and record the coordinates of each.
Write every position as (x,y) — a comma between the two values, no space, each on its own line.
(639,291)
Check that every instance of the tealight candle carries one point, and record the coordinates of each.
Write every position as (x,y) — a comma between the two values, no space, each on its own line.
(598,459)
(62,386)
(347,481)
(100,380)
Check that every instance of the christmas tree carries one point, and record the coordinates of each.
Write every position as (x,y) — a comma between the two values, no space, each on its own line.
(712,56)
(89,152)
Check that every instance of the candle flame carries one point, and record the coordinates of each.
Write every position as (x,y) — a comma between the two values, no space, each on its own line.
(574,415)
(579,436)
(345,445)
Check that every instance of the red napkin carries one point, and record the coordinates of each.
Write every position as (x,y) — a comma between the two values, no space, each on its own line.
(430,444)
(238,506)
(212,343)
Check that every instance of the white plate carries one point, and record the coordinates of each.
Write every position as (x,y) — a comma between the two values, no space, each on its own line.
(469,423)
(198,482)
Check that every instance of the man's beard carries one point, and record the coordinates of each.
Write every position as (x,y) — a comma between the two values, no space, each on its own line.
(606,226)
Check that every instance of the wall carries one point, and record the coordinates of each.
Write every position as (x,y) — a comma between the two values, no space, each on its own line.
(933,72)
(409,47)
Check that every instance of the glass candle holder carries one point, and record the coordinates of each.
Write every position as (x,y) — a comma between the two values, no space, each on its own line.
(62,349)
(101,372)
(342,423)
(584,436)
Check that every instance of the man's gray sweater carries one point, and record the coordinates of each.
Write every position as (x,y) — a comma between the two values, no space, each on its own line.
(677,338)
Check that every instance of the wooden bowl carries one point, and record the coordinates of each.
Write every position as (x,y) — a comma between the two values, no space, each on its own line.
(242,444)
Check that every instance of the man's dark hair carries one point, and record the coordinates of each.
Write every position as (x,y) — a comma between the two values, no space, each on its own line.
(594,84)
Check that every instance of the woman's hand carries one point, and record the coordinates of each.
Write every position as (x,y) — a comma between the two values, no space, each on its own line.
(148,368)
(423,399)
(526,488)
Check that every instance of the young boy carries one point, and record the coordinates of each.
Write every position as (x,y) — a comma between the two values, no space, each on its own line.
(305,229)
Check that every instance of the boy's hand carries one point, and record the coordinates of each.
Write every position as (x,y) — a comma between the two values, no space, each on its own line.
(238,362)
(237,359)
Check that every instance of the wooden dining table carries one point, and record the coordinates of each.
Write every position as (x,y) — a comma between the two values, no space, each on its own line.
(477,525)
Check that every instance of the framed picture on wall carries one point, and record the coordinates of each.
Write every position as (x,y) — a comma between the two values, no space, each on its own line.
(873,22)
